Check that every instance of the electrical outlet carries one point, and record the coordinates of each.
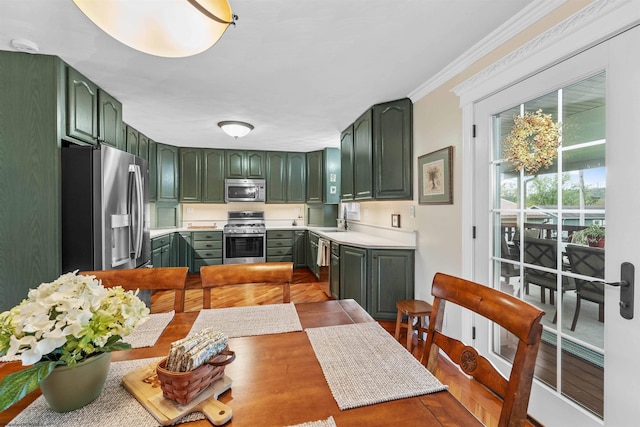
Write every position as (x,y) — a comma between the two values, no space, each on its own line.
(412,211)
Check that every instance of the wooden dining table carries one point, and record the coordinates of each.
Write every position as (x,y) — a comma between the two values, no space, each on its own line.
(277,380)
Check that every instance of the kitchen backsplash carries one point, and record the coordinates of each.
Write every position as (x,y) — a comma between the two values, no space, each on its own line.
(376,213)
(202,214)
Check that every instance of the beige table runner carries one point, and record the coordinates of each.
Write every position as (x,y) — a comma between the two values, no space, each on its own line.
(249,321)
(363,365)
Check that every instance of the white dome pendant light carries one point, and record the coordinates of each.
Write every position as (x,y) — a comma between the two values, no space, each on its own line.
(167,28)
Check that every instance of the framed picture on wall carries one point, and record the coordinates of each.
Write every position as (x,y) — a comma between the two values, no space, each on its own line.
(435,177)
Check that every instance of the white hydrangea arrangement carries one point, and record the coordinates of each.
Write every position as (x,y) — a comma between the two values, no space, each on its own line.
(62,323)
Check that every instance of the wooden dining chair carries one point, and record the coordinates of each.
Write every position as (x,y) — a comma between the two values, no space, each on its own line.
(276,273)
(154,279)
(516,316)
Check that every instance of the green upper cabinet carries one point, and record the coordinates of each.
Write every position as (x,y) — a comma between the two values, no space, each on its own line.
(190,174)
(167,173)
(323,172)
(201,175)
(245,164)
(363,157)
(92,115)
(376,154)
(296,178)
(213,176)
(346,164)
(110,126)
(133,140)
(153,171)
(393,141)
(286,177)
(82,108)
(276,177)
(315,180)
(143,146)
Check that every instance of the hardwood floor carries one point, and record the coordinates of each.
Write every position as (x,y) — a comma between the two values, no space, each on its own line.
(305,288)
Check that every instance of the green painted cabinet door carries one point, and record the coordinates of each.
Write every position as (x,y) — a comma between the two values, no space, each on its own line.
(363,157)
(334,271)
(346,164)
(276,177)
(82,107)
(296,178)
(234,163)
(300,248)
(153,171)
(392,279)
(143,147)
(392,141)
(353,274)
(133,137)
(190,174)
(167,173)
(212,176)
(184,250)
(245,164)
(156,257)
(315,178)
(255,164)
(110,120)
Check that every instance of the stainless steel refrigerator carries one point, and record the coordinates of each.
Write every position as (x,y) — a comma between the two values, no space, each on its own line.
(105,209)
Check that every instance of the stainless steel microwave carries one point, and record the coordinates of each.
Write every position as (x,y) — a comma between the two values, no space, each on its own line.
(244,190)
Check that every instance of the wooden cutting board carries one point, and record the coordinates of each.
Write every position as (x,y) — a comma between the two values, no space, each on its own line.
(144,385)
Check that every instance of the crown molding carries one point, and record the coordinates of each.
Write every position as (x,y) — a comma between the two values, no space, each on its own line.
(573,35)
(523,19)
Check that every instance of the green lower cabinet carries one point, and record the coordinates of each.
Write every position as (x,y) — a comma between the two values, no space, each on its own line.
(334,271)
(280,246)
(377,278)
(299,248)
(207,249)
(353,274)
(184,250)
(391,280)
(312,254)
(162,251)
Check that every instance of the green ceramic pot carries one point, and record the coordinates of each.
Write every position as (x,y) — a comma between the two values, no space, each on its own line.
(67,389)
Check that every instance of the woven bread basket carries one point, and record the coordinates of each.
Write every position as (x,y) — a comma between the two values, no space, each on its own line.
(183,387)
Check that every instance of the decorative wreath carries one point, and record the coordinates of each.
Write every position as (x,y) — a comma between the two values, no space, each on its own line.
(533,142)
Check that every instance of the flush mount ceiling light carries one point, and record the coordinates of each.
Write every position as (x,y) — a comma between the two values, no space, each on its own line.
(167,28)
(235,129)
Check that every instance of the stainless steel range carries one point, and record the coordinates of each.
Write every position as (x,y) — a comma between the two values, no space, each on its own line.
(244,237)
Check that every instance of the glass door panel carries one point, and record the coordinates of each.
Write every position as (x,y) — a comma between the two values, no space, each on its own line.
(540,252)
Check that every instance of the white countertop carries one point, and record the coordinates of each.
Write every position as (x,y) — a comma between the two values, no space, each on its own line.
(349,237)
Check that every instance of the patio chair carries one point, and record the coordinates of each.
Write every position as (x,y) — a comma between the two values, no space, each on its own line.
(279,273)
(508,270)
(543,252)
(587,261)
(516,316)
(154,279)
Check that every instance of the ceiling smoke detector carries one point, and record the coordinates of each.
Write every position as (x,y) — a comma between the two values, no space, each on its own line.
(24,45)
